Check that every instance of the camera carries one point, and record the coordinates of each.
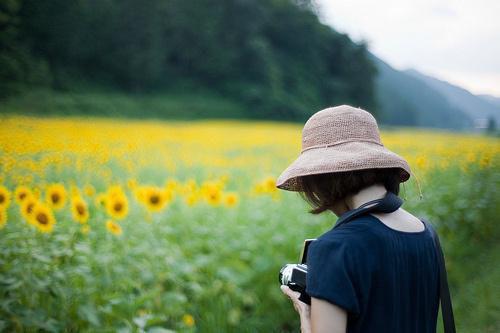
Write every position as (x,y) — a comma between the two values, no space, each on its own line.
(295,275)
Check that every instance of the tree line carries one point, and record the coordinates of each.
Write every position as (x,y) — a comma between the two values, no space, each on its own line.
(275,56)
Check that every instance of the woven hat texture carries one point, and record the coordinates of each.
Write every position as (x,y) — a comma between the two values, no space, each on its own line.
(337,139)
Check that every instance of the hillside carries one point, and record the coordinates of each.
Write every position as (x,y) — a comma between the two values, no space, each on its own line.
(476,107)
(406,100)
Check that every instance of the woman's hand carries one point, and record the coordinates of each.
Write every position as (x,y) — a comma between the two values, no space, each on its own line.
(302,308)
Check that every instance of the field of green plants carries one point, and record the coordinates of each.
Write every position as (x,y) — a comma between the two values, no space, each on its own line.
(162,227)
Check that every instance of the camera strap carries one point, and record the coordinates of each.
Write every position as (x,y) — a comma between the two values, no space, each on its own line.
(388,204)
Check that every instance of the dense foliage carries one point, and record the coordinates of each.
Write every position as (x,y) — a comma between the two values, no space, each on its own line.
(274,56)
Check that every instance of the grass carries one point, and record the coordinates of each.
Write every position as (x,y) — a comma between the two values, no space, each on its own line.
(181,105)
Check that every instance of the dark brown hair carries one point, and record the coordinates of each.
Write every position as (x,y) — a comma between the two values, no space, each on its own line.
(322,191)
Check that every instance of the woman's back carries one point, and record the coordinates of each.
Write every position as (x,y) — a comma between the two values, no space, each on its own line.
(386,279)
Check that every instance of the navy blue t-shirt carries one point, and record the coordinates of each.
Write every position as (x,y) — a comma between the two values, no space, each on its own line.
(387,280)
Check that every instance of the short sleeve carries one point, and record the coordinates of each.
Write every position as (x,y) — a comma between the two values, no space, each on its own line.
(332,275)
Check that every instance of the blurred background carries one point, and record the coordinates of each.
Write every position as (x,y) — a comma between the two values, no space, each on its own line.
(141,140)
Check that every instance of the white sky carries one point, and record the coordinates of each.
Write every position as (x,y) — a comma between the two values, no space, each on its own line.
(453,40)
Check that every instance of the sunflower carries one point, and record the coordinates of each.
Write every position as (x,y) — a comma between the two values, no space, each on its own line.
(212,193)
(27,207)
(4,197)
(115,191)
(3,218)
(100,200)
(21,193)
(188,320)
(171,184)
(89,190)
(117,205)
(43,218)
(156,198)
(131,183)
(231,199)
(79,209)
(191,199)
(270,185)
(113,228)
(56,196)
(189,187)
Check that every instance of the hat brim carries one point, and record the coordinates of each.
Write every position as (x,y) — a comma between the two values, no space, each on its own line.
(343,157)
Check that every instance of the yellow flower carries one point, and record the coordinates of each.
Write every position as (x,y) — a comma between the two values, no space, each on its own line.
(485,161)
(171,184)
(43,218)
(212,192)
(131,184)
(421,162)
(191,199)
(74,191)
(100,200)
(189,187)
(89,190)
(266,186)
(115,191)
(21,193)
(269,185)
(116,205)
(56,196)
(156,198)
(4,197)
(79,209)
(27,207)
(3,218)
(113,228)
(188,320)
(85,229)
(231,199)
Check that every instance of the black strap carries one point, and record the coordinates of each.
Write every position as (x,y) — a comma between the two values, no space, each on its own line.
(444,290)
(388,204)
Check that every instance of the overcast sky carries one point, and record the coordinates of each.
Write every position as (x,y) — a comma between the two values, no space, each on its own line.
(454,40)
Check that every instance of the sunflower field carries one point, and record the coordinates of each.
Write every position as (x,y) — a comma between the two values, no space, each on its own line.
(153,226)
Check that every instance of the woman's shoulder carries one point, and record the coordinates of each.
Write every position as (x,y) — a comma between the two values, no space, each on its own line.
(353,231)
(357,237)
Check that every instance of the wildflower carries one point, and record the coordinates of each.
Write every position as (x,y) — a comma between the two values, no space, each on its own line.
(191,199)
(485,161)
(4,197)
(100,200)
(156,198)
(56,196)
(89,190)
(188,320)
(21,193)
(117,205)
(43,218)
(113,228)
(131,184)
(231,199)
(171,184)
(79,209)
(27,207)
(212,192)
(269,185)
(421,162)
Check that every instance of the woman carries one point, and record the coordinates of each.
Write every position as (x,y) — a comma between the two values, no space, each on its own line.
(378,272)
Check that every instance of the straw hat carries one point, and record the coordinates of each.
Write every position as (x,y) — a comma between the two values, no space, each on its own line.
(340,138)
